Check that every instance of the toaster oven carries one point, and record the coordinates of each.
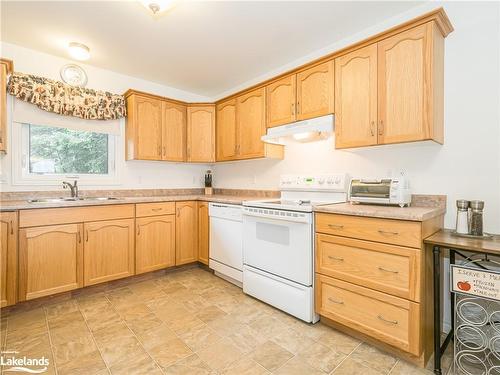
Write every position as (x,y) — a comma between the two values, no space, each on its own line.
(386,191)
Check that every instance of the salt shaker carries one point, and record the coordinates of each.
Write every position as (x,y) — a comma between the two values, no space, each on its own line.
(476,221)
(462,216)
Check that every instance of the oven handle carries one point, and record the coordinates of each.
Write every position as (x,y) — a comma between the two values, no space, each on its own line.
(298,220)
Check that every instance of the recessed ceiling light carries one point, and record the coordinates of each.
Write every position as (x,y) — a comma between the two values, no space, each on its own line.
(79,51)
(158,6)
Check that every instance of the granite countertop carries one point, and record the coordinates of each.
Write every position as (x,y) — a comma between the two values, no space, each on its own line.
(13,205)
(412,213)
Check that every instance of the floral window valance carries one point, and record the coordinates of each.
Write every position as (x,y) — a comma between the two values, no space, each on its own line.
(58,97)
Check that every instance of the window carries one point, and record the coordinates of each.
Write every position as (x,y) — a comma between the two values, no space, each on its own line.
(50,154)
(65,151)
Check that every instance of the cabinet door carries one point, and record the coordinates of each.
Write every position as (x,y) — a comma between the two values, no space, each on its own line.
(8,258)
(186,232)
(3,107)
(251,123)
(281,97)
(203,232)
(173,132)
(201,134)
(155,243)
(226,131)
(315,91)
(108,250)
(148,116)
(356,98)
(50,260)
(404,79)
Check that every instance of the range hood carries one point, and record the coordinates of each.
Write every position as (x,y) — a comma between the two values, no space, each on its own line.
(301,131)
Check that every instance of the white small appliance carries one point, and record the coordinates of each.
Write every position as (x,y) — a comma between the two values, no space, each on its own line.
(386,191)
(278,242)
(226,248)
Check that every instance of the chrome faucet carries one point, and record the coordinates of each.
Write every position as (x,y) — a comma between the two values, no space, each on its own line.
(73,187)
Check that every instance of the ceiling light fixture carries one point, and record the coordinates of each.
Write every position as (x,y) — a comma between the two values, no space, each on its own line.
(158,6)
(79,51)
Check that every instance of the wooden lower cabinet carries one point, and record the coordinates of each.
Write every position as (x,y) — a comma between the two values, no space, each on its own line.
(108,250)
(8,258)
(50,260)
(186,232)
(393,320)
(203,232)
(155,243)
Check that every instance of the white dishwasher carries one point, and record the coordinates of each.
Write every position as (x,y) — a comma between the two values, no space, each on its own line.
(226,241)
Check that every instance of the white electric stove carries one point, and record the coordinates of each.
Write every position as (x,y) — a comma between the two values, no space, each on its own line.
(278,242)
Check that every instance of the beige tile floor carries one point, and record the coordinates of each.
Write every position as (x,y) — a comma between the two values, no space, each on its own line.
(185,322)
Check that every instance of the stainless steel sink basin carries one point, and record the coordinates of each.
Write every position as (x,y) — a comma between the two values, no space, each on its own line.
(70,199)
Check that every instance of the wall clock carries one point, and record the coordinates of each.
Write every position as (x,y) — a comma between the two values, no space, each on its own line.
(74,75)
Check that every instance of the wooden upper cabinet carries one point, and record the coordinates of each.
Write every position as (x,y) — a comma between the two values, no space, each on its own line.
(201,134)
(186,232)
(173,132)
(281,98)
(155,243)
(8,258)
(227,135)
(109,250)
(251,123)
(356,98)
(315,91)
(144,128)
(203,232)
(6,68)
(50,260)
(410,86)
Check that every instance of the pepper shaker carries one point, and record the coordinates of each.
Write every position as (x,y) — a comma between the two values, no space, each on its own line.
(476,221)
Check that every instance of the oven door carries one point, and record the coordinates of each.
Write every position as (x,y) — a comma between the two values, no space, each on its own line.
(280,246)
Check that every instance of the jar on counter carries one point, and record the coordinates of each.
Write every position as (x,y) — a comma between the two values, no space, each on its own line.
(476,220)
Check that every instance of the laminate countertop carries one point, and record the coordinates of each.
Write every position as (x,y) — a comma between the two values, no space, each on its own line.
(412,213)
(14,205)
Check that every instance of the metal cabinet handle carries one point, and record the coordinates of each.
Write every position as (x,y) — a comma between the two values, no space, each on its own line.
(388,232)
(156,209)
(298,107)
(380,317)
(138,230)
(335,258)
(335,226)
(87,235)
(381,128)
(11,227)
(335,301)
(178,212)
(293,108)
(372,128)
(164,151)
(79,237)
(386,270)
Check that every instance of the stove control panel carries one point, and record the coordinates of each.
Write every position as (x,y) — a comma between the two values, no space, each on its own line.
(323,182)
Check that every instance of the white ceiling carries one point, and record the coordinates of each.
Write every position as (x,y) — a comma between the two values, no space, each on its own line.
(202,47)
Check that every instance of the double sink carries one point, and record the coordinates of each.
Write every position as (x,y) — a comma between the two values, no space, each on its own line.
(71,199)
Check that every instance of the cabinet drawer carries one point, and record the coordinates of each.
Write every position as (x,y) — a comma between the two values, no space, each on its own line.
(154,209)
(397,232)
(392,320)
(388,268)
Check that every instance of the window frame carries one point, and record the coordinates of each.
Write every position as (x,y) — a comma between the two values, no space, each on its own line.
(20,163)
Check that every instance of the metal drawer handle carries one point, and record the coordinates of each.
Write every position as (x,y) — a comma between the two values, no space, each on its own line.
(387,321)
(335,258)
(156,209)
(335,301)
(388,232)
(335,226)
(386,270)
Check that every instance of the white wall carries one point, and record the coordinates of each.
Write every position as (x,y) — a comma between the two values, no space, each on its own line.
(466,166)
(132,174)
